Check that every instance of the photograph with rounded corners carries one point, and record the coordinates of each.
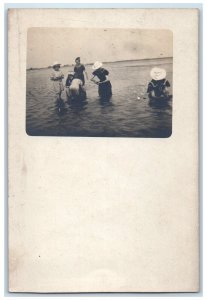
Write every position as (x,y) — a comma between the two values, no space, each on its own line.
(99,82)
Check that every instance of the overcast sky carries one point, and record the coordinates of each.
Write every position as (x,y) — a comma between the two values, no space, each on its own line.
(46,45)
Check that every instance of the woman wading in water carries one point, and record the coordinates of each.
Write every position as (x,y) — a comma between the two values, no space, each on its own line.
(57,76)
(104,84)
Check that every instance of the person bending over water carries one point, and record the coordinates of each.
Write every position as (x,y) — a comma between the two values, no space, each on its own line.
(57,76)
(104,84)
(74,87)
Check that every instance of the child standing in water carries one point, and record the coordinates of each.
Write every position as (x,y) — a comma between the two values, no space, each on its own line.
(57,76)
(104,85)
(79,70)
(158,86)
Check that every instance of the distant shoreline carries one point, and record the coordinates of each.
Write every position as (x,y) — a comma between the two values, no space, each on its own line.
(104,62)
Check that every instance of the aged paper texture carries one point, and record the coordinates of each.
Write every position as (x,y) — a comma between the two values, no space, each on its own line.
(105,214)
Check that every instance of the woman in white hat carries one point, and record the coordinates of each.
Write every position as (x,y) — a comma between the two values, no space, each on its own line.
(158,86)
(57,76)
(104,85)
(68,82)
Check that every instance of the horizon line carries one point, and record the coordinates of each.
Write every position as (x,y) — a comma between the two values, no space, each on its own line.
(104,62)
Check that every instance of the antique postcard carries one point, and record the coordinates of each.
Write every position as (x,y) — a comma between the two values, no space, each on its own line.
(103,150)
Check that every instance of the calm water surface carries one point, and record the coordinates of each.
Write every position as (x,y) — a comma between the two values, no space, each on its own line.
(125,115)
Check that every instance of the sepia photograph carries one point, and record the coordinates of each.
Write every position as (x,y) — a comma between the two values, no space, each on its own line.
(99,82)
(103,181)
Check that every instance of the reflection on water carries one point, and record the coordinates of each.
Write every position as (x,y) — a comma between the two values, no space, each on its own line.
(127,113)
(104,102)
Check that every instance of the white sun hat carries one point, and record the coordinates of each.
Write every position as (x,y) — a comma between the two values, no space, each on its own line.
(97,65)
(158,73)
(56,63)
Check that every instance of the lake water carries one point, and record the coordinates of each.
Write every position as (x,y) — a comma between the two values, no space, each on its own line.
(127,114)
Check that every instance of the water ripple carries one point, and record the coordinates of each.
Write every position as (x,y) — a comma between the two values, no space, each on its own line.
(123,116)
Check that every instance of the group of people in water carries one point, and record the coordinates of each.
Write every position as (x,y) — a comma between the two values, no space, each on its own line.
(75,81)
(158,87)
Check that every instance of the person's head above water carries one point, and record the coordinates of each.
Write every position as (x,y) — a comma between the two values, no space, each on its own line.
(97,65)
(157,73)
(56,65)
(77,60)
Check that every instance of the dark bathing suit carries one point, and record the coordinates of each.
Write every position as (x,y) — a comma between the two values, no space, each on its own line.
(158,86)
(104,89)
(79,72)
(69,80)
